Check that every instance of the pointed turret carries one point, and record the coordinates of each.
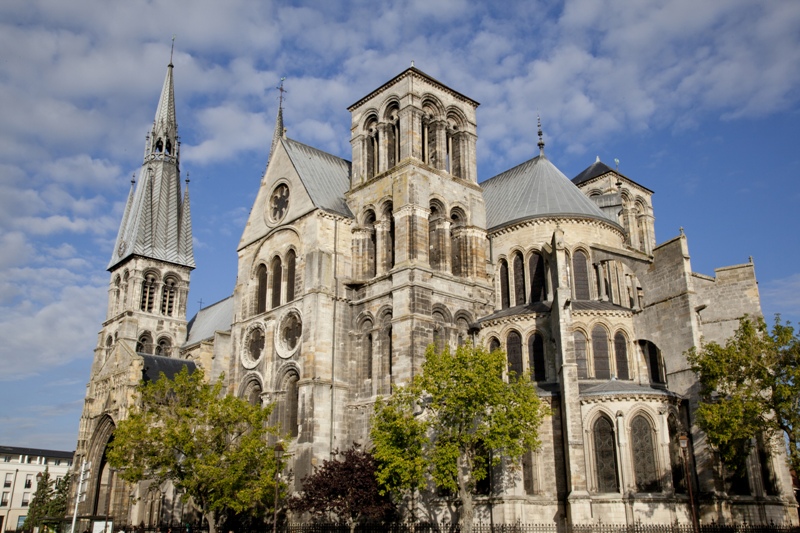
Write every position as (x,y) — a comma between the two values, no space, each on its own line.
(279,129)
(154,225)
(185,238)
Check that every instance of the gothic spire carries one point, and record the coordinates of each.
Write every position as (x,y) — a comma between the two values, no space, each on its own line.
(154,224)
(278,133)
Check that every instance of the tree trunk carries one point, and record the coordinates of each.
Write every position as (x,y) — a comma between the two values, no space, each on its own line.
(465,494)
(211,518)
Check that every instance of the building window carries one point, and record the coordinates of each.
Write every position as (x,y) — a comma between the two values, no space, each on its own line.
(537,274)
(148,292)
(519,279)
(494,344)
(144,344)
(602,368)
(605,455)
(277,274)
(4,500)
(653,357)
(644,460)
(28,481)
(536,357)
(505,301)
(8,480)
(514,349)
(26,499)
(6,458)
(580,273)
(164,347)
(621,355)
(291,259)
(279,203)
(261,289)
(290,408)
(168,296)
(580,354)
(528,477)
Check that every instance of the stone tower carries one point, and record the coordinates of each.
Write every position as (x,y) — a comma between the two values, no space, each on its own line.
(146,317)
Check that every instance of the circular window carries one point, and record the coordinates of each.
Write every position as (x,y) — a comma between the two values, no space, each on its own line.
(289,334)
(279,203)
(253,348)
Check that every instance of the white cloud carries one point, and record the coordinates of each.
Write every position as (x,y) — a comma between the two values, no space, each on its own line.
(782,296)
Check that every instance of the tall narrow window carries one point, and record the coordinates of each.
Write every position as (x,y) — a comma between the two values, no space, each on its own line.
(644,460)
(653,357)
(261,289)
(602,368)
(439,331)
(291,406)
(580,274)
(277,276)
(514,349)
(505,301)
(765,461)
(371,245)
(368,355)
(580,355)
(148,292)
(168,293)
(537,274)
(605,456)
(528,478)
(519,279)
(291,280)
(164,347)
(536,357)
(621,355)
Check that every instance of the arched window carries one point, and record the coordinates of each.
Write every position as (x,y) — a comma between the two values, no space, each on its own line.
(621,355)
(580,275)
(148,292)
(252,393)
(653,357)
(602,368)
(580,354)
(494,344)
(505,302)
(536,357)
(463,330)
(439,331)
(388,219)
(392,137)
(168,293)
(519,279)
(538,284)
(675,456)
(644,459)
(371,148)
(109,345)
(368,355)
(605,455)
(371,251)
(458,244)
(514,351)
(291,404)
(387,354)
(168,149)
(291,280)
(116,294)
(261,289)
(164,347)
(277,275)
(145,343)
(454,162)
(438,236)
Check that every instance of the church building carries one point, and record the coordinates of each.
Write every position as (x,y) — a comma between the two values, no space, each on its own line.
(349,270)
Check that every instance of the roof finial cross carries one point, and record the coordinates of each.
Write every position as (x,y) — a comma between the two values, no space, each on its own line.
(187,177)
(541,136)
(282,90)
(172,50)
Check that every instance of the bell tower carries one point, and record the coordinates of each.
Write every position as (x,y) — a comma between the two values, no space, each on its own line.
(146,314)
(419,236)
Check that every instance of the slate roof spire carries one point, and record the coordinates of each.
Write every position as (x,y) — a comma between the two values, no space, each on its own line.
(157,223)
(279,129)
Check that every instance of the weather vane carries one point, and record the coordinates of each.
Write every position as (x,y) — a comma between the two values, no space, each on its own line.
(173,49)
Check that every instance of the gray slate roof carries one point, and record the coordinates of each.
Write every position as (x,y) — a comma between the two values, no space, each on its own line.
(13,450)
(534,189)
(325,176)
(616,386)
(207,321)
(598,168)
(154,365)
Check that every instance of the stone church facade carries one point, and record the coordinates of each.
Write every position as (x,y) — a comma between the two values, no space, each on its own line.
(348,270)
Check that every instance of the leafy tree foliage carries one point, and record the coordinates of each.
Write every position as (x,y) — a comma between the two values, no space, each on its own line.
(344,488)
(749,387)
(213,447)
(454,422)
(49,502)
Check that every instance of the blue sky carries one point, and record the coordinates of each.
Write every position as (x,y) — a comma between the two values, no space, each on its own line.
(700,102)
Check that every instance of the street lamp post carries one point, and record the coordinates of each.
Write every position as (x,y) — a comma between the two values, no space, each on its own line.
(683,440)
(278,455)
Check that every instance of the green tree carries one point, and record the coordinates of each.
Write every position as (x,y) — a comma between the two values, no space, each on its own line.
(750,387)
(344,488)
(40,503)
(213,447)
(59,502)
(454,422)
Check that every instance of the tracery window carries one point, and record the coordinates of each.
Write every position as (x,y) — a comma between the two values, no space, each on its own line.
(168,293)
(148,292)
(536,357)
(605,455)
(505,301)
(256,344)
(514,350)
(644,460)
(621,355)
(580,354)
(580,273)
(519,279)
(261,289)
(537,274)
(279,202)
(602,369)
(291,280)
(277,275)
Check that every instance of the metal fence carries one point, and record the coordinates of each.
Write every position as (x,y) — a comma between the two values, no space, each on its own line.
(484,527)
